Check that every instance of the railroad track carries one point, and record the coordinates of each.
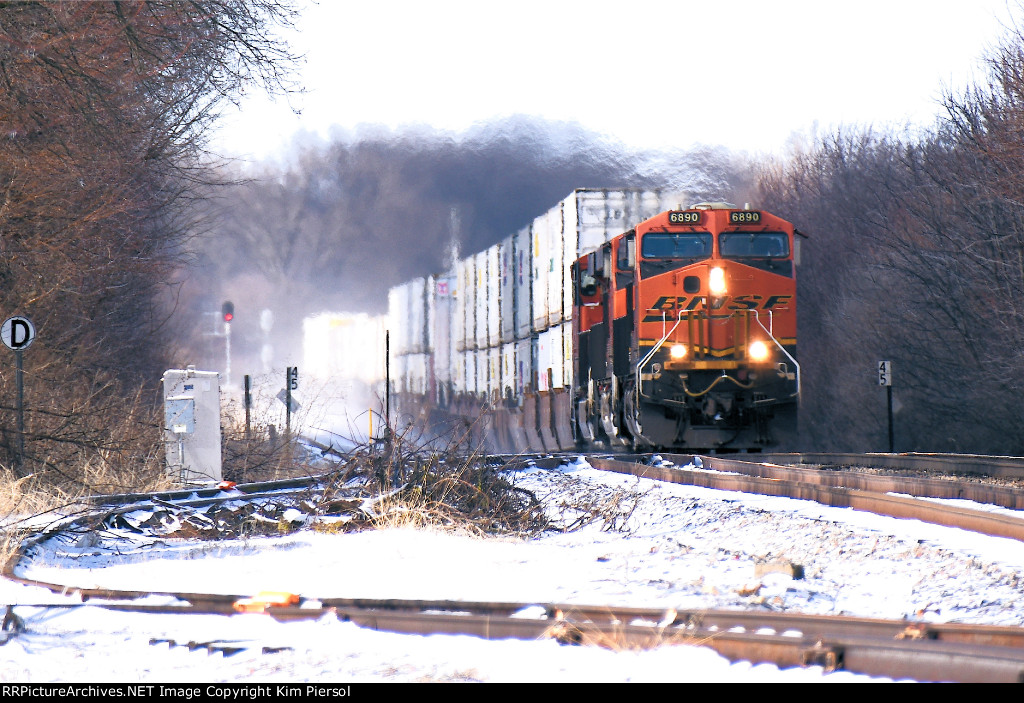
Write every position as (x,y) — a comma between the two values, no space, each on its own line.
(897,649)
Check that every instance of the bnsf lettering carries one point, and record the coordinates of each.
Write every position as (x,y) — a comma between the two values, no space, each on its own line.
(670,304)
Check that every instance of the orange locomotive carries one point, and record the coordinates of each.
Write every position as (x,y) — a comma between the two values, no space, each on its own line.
(685,333)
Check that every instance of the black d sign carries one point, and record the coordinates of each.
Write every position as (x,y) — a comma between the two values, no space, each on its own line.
(17,333)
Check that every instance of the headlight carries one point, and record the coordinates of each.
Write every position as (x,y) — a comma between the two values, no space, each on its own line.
(758,351)
(716,281)
(678,351)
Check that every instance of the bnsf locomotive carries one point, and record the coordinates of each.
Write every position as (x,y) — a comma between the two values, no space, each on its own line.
(684,332)
(616,319)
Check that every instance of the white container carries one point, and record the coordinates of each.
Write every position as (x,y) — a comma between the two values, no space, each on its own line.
(523,283)
(192,425)
(524,366)
(480,366)
(556,270)
(442,311)
(556,354)
(493,286)
(519,290)
(550,359)
(344,346)
(416,341)
(416,373)
(481,317)
(509,382)
(396,373)
(458,372)
(396,317)
(592,217)
(577,224)
(469,362)
(543,265)
(507,290)
(465,305)
(566,355)
(403,337)
(494,376)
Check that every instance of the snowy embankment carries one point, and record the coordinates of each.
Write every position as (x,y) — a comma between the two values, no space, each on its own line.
(644,543)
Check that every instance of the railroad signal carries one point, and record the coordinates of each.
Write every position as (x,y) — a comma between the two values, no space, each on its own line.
(228,311)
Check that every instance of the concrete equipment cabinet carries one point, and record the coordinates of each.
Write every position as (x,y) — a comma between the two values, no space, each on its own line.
(192,437)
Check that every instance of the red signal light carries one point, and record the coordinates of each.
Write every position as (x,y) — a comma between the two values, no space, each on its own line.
(228,311)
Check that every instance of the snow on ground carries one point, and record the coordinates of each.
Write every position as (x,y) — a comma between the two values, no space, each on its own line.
(652,544)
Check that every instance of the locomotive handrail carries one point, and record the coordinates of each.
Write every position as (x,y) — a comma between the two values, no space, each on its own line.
(796,364)
(653,351)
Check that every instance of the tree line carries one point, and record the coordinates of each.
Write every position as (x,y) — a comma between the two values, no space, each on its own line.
(106,110)
(915,255)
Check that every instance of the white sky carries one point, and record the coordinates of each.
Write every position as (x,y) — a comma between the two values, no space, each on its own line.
(649,73)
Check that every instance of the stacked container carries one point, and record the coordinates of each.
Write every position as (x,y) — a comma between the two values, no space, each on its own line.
(499,324)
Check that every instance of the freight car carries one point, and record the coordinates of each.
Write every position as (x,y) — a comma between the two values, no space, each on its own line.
(568,332)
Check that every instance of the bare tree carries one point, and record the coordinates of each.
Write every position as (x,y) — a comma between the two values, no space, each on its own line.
(106,111)
(918,257)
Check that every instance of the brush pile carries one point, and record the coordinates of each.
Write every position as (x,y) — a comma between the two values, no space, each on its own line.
(387,485)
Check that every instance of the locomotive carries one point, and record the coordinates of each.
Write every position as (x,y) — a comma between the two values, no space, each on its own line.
(616,319)
(684,332)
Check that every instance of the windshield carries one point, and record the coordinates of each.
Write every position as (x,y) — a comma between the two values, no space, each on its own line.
(676,245)
(755,245)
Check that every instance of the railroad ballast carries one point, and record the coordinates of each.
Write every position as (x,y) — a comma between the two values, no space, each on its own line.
(617,318)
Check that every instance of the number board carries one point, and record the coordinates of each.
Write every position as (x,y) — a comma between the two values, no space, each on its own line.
(745,217)
(885,373)
(685,217)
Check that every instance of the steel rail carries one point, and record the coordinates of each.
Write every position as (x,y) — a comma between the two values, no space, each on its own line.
(815,626)
(206,492)
(1004,496)
(993,524)
(895,649)
(921,659)
(982,465)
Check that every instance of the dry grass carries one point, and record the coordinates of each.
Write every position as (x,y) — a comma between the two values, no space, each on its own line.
(19,496)
(22,499)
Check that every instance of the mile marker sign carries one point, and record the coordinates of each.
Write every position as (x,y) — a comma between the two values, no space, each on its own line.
(17,333)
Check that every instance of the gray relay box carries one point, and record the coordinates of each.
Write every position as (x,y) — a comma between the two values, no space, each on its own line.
(192,435)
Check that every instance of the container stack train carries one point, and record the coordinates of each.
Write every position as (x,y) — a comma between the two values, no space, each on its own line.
(619,318)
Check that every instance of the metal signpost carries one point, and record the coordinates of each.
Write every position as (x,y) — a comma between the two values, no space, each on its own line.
(248,406)
(227,312)
(291,383)
(17,334)
(885,379)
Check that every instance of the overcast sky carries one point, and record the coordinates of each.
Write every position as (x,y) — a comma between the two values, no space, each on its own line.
(649,73)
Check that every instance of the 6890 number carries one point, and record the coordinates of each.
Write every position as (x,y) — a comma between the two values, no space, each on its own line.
(745,217)
(687,217)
